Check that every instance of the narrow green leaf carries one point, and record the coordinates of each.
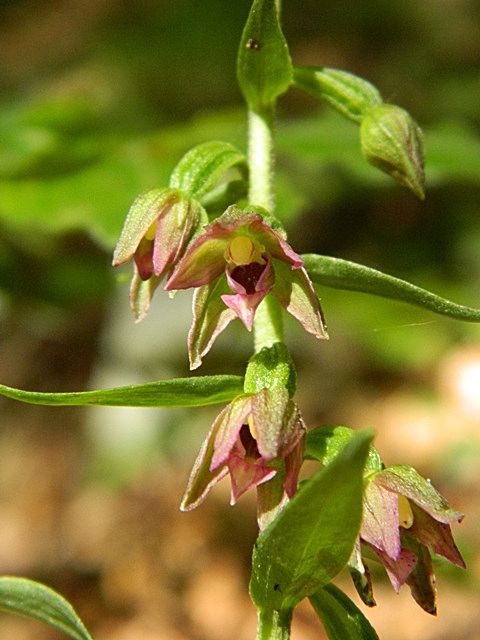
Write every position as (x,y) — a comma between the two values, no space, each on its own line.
(312,538)
(340,617)
(264,68)
(201,168)
(34,600)
(342,274)
(178,392)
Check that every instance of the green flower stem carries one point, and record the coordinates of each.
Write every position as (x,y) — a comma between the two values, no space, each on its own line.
(274,625)
(268,326)
(261,158)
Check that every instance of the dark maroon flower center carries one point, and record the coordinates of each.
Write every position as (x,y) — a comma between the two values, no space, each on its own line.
(248,275)
(249,443)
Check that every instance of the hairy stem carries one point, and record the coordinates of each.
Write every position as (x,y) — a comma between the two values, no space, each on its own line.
(274,625)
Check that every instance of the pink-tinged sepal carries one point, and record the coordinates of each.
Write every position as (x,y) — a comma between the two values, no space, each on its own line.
(210,318)
(406,481)
(173,233)
(295,292)
(144,212)
(435,535)
(141,293)
(399,569)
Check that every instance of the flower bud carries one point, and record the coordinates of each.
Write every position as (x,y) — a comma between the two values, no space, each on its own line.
(392,141)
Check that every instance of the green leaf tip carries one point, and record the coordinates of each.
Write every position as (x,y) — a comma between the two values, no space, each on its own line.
(310,541)
(196,391)
(264,67)
(343,274)
(31,599)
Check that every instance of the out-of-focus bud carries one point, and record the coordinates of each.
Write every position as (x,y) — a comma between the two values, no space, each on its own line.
(392,141)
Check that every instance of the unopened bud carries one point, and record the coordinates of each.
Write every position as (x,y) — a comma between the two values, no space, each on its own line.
(392,141)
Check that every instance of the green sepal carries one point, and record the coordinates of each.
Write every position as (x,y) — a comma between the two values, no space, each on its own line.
(342,274)
(210,317)
(264,67)
(392,141)
(196,391)
(271,367)
(145,209)
(31,599)
(345,92)
(201,169)
(325,443)
(341,618)
(312,538)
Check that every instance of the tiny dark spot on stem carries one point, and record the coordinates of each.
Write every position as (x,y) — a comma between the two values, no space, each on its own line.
(276,587)
(253,44)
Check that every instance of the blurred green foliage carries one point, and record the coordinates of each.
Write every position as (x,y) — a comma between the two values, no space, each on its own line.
(98,103)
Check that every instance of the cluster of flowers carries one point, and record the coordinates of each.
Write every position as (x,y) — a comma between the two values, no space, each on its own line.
(233,264)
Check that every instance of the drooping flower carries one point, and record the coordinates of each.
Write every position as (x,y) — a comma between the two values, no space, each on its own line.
(254,438)
(233,265)
(157,230)
(405,516)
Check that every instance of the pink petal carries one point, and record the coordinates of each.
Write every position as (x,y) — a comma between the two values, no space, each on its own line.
(380,520)
(275,244)
(245,305)
(397,570)
(230,421)
(245,474)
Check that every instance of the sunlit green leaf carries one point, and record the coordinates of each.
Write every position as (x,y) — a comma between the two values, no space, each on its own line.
(312,538)
(178,392)
(342,274)
(34,600)
(340,617)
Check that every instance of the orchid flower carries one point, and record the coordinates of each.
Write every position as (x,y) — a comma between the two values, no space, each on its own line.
(404,516)
(254,438)
(156,232)
(233,265)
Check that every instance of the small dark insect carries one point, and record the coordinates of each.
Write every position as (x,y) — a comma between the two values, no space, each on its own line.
(276,587)
(253,44)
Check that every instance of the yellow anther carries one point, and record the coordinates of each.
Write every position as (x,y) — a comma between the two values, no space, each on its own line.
(151,231)
(241,250)
(251,426)
(405,513)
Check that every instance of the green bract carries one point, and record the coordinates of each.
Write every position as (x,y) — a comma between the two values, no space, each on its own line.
(347,93)
(201,168)
(312,538)
(264,68)
(269,368)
